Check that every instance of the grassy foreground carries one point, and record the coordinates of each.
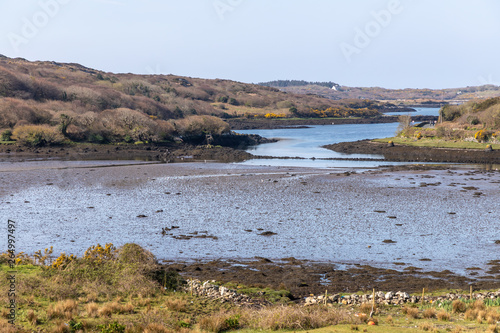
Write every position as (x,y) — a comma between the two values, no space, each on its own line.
(438,143)
(125,290)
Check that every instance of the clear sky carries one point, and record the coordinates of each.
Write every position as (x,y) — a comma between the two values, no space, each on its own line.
(386,43)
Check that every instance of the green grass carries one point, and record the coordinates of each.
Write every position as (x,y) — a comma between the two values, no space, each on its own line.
(271,295)
(437,143)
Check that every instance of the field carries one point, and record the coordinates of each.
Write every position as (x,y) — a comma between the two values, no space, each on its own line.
(123,290)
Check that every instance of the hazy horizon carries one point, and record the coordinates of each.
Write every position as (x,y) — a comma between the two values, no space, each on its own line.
(394,44)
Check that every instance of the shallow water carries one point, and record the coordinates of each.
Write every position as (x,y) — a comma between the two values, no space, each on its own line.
(419,112)
(305,144)
(316,214)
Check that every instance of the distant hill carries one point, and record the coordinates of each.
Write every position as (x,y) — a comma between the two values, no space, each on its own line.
(297,83)
(46,101)
(337,92)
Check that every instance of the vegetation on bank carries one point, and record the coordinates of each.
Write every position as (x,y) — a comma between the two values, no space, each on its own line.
(472,125)
(44,103)
(408,95)
(124,289)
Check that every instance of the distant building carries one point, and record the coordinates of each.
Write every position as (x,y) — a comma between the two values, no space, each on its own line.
(336,87)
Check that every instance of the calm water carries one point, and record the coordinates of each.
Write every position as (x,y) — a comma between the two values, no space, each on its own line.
(307,142)
(318,214)
(420,112)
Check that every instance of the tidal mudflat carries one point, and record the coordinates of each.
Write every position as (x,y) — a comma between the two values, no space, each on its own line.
(432,219)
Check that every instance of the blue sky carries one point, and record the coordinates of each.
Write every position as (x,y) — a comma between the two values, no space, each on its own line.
(388,43)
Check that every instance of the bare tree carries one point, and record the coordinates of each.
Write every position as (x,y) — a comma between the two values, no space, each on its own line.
(404,123)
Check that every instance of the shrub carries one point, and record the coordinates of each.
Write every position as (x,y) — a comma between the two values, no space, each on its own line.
(6,135)
(195,126)
(63,261)
(440,131)
(99,254)
(481,136)
(450,112)
(473,120)
(37,135)
(131,253)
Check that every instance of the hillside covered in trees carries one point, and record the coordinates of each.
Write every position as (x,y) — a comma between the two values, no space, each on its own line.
(45,102)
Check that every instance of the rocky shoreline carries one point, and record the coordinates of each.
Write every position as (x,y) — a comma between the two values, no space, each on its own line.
(245,124)
(226,148)
(233,150)
(303,278)
(400,153)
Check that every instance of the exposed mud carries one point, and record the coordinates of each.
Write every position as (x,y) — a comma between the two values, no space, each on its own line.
(302,277)
(226,148)
(400,153)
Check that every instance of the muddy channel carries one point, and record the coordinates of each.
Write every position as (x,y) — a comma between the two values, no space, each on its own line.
(303,228)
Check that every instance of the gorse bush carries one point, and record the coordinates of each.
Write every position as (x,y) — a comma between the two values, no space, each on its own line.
(98,253)
(104,271)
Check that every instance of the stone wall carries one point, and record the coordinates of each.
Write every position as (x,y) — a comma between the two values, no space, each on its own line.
(393,298)
(210,290)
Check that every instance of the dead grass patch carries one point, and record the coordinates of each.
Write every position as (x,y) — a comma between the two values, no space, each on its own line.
(493,329)
(428,327)
(64,309)
(92,309)
(367,308)
(442,315)
(458,306)
(411,312)
(156,328)
(478,305)
(176,304)
(429,313)
(32,318)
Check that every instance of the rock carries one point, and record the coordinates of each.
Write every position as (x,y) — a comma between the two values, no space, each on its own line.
(389,295)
